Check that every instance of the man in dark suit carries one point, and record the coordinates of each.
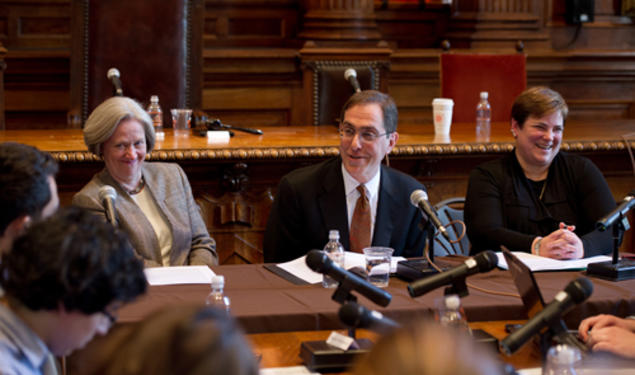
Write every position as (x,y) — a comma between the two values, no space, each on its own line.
(313,200)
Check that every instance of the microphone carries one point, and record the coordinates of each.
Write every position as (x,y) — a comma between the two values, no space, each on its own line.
(114,77)
(318,261)
(419,198)
(351,76)
(627,204)
(355,315)
(108,196)
(484,261)
(574,293)
(216,123)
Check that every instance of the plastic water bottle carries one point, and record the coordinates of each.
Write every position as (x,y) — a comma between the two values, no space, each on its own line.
(154,110)
(562,360)
(450,313)
(217,298)
(335,251)
(483,118)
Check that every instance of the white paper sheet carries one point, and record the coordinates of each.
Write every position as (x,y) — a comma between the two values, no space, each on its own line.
(298,267)
(293,370)
(538,263)
(179,275)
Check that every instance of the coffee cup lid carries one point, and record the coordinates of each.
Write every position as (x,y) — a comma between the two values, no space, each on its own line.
(443,101)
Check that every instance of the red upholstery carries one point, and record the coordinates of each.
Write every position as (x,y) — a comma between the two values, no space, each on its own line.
(464,76)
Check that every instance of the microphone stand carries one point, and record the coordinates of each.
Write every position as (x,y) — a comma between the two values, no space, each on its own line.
(616,269)
(319,356)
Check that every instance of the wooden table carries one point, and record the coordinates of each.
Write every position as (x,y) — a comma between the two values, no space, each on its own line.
(234,183)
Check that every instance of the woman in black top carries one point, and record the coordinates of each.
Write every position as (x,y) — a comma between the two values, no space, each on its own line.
(538,199)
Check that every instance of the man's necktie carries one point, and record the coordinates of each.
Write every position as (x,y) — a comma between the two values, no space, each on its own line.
(360,224)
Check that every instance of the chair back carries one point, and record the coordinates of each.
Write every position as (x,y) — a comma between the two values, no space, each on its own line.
(331,90)
(449,210)
(464,76)
(157,47)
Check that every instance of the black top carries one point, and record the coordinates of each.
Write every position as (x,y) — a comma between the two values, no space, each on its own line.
(503,206)
(310,201)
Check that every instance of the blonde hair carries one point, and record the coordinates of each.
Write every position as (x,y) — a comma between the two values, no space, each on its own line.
(426,348)
(103,122)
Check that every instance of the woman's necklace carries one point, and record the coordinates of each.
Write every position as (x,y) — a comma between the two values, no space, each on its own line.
(542,191)
(141,185)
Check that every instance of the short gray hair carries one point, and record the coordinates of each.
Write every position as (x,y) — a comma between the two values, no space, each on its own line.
(103,122)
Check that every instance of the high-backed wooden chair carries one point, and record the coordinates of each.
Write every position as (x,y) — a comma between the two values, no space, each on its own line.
(330,89)
(464,76)
(157,47)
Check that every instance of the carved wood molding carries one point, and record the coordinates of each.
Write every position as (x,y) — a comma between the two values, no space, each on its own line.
(323,152)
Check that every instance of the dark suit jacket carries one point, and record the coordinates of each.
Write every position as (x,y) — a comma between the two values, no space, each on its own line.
(502,209)
(311,201)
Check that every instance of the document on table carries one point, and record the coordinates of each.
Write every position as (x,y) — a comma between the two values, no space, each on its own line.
(179,275)
(538,263)
(293,370)
(299,269)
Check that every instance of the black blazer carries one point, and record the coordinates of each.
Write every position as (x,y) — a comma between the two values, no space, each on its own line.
(311,201)
(502,209)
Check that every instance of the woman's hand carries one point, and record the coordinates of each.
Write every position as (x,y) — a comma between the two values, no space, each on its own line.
(562,244)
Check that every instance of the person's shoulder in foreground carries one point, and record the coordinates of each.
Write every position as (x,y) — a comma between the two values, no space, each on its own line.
(64,281)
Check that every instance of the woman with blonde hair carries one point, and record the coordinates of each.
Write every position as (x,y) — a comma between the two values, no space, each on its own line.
(154,204)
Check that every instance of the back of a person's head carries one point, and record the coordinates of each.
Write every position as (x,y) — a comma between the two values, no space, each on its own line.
(75,259)
(184,340)
(24,185)
(427,348)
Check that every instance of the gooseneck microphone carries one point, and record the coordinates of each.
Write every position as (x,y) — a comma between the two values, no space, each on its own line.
(318,261)
(574,293)
(419,198)
(484,261)
(350,75)
(114,77)
(355,315)
(627,204)
(108,196)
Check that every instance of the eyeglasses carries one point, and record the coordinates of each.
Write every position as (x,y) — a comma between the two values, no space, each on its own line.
(367,136)
(112,318)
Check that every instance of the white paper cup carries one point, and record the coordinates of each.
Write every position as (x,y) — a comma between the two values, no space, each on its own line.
(442,115)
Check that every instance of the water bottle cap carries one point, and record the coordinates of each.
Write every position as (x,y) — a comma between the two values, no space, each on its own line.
(452,302)
(563,354)
(334,234)
(484,95)
(154,99)
(218,281)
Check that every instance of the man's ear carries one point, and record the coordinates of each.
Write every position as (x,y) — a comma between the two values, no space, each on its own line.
(17,226)
(392,140)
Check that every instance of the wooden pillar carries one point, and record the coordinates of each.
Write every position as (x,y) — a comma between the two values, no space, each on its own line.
(339,20)
(3,66)
(497,24)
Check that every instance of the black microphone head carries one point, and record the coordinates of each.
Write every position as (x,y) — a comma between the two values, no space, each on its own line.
(486,260)
(417,196)
(579,289)
(350,314)
(318,261)
(113,72)
(350,72)
(107,191)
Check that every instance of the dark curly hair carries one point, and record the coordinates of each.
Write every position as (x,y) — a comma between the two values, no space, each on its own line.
(24,186)
(75,259)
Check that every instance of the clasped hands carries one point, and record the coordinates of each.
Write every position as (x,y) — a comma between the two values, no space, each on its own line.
(562,244)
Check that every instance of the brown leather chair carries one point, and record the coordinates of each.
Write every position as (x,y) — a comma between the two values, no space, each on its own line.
(157,47)
(330,89)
